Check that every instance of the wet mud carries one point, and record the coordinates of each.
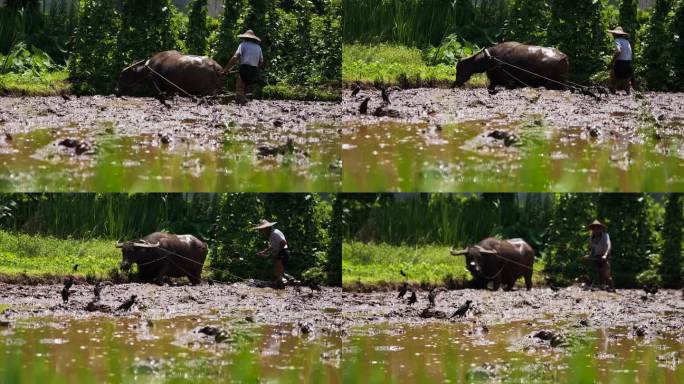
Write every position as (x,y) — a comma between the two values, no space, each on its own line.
(240,301)
(516,140)
(615,115)
(208,333)
(80,143)
(662,312)
(537,336)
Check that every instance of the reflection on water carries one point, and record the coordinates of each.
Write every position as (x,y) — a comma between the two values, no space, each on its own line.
(36,161)
(124,349)
(470,352)
(392,156)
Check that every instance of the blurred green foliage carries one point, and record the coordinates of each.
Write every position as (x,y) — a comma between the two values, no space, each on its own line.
(197,37)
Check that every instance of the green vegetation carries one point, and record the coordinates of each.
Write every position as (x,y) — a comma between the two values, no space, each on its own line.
(673,237)
(39,228)
(42,256)
(657,52)
(197,37)
(28,84)
(387,232)
(392,64)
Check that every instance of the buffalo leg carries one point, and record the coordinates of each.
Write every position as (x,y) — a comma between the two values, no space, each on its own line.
(195,279)
(159,279)
(497,284)
(528,281)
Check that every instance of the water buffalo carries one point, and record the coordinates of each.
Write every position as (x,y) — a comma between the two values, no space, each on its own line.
(197,75)
(548,62)
(500,261)
(161,254)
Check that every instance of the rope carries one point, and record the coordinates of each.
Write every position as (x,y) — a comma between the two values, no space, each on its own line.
(171,82)
(525,70)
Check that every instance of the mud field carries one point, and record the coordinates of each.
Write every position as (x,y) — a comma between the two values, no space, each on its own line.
(614,115)
(85,142)
(208,333)
(522,140)
(240,301)
(540,336)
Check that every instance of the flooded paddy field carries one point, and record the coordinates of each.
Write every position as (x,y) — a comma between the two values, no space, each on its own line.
(537,336)
(222,332)
(517,140)
(105,143)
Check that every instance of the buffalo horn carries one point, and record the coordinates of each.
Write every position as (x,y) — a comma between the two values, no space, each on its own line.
(487,251)
(145,244)
(458,253)
(133,65)
(119,245)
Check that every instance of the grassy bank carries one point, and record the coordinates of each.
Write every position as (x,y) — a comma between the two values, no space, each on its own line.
(397,65)
(379,265)
(28,84)
(35,256)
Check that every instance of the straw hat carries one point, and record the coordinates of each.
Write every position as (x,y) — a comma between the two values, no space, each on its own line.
(249,35)
(596,223)
(619,32)
(263,224)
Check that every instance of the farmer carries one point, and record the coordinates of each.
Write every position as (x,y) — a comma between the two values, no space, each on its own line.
(250,58)
(600,250)
(621,71)
(277,249)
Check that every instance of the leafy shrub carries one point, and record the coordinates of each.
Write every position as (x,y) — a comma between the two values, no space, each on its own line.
(25,58)
(656,51)
(198,33)
(93,64)
(528,21)
(452,49)
(673,236)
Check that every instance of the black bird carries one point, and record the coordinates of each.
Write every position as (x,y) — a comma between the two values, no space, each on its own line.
(402,291)
(64,95)
(651,288)
(363,108)
(433,295)
(75,268)
(413,299)
(161,96)
(462,310)
(99,287)
(66,290)
(126,306)
(210,331)
(314,286)
(551,285)
(401,272)
(356,89)
(385,95)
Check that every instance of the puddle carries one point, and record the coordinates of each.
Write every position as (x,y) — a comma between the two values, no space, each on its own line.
(173,162)
(132,349)
(468,352)
(392,156)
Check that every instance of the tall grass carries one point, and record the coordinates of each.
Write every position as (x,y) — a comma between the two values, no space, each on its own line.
(449,219)
(421,22)
(112,215)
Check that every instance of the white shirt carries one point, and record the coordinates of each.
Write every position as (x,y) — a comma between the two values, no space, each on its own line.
(623,46)
(250,53)
(275,239)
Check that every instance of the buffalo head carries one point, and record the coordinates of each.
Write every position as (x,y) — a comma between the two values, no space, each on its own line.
(131,76)
(474,257)
(134,251)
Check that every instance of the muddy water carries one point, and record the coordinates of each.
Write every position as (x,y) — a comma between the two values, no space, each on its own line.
(469,353)
(439,140)
(147,350)
(137,145)
(419,157)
